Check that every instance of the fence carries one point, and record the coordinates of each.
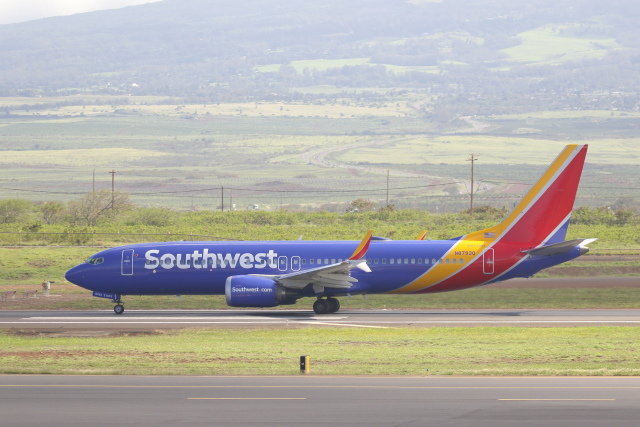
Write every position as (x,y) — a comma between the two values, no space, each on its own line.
(8,238)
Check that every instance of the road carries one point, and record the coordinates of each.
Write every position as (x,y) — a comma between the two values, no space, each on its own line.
(318,401)
(68,321)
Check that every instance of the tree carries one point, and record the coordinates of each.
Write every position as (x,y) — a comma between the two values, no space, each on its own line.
(361,205)
(12,210)
(92,207)
(52,212)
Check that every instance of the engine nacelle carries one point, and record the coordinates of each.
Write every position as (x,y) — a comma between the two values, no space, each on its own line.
(252,291)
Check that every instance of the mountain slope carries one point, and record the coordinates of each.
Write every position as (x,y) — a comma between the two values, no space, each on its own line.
(217,49)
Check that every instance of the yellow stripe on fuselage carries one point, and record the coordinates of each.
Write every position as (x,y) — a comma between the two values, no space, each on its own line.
(465,250)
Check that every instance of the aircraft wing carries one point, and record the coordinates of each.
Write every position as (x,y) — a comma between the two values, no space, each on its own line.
(328,276)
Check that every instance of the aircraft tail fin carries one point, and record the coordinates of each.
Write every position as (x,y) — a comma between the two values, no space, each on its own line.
(542,216)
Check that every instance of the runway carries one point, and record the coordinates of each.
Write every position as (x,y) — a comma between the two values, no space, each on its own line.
(166,319)
(318,401)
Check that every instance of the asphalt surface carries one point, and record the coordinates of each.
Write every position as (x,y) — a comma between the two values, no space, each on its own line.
(70,321)
(318,401)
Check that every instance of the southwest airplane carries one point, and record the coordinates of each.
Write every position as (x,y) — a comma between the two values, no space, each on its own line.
(271,273)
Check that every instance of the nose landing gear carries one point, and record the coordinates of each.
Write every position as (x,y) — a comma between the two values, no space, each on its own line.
(119,308)
(324,306)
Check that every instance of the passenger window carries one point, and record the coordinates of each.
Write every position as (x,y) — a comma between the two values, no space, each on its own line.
(406,260)
(461,260)
(392,261)
(454,260)
(413,260)
(384,260)
(419,260)
(326,261)
(447,261)
(375,261)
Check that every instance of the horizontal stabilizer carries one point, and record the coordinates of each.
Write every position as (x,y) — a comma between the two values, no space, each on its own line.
(560,248)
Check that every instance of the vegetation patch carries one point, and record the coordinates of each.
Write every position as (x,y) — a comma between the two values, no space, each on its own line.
(349,351)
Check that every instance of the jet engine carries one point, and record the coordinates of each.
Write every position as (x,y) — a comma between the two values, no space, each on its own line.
(252,291)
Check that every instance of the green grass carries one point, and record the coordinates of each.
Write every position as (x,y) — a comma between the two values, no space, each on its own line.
(489,149)
(31,266)
(555,44)
(172,147)
(502,351)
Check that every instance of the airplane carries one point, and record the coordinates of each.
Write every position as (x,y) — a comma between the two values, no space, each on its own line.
(272,273)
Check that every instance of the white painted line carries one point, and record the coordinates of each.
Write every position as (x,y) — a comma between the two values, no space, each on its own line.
(343,324)
(557,400)
(371,323)
(204,318)
(138,323)
(246,398)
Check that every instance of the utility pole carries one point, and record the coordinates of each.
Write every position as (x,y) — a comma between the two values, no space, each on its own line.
(387,187)
(113,186)
(472,159)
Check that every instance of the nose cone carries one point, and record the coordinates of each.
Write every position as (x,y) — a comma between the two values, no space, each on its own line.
(76,275)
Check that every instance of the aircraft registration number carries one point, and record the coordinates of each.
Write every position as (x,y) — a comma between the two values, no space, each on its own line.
(465,252)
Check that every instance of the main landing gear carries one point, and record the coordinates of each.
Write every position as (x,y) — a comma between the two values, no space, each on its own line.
(119,308)
(324,306)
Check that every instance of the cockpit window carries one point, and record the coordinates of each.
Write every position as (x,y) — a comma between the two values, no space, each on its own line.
(95,261)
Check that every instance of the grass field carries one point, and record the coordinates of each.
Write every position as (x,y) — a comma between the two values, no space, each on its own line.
(555,44)
(504,351)
(161,149)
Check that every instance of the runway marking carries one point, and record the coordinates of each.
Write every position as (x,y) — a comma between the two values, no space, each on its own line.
(331,386)
(140,323)
(246,398)
(204,318)
(343,324)
(361,323)
(558,400)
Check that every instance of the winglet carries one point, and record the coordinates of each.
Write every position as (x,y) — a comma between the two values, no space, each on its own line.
(422,235)
(362,248)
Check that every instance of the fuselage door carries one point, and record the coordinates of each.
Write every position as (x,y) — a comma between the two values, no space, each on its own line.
(488,261)
(282,263)
(127,262)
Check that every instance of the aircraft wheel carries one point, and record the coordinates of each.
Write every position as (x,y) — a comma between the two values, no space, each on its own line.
(321,306)
(118,309)
(334,305)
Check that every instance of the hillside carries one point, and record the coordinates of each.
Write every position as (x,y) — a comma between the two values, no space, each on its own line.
(474,54)
(310,105)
